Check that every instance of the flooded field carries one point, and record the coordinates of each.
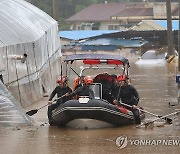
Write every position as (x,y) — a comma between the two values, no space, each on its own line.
(156,86)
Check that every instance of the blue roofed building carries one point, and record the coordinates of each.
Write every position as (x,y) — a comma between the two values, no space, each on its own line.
(97,40)
(163,23)
(155,25)
(83,34)
(145,33)
(112,44)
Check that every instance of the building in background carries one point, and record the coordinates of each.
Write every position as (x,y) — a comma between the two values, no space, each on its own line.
(119,16)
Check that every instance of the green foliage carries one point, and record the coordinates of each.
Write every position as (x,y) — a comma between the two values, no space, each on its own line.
(44,5)
(79,7)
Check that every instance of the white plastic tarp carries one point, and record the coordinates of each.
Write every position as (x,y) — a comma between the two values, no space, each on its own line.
(25,29)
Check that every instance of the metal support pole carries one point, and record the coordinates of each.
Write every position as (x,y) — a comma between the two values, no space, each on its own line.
(55,14)
(178,95)
(179,42)
(178,74)
(169,28)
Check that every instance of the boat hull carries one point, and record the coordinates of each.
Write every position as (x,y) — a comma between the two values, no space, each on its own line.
(88,124)
(97,110)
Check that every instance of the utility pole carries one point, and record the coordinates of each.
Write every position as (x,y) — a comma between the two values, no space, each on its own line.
(169,28)
(179,42)
(55,10)
(178,73)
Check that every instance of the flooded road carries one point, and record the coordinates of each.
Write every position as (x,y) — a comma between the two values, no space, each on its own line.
(156,87)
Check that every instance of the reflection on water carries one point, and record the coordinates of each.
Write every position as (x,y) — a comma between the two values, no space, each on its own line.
(156,87)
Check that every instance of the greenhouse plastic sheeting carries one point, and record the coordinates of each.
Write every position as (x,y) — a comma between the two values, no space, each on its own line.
(27,30)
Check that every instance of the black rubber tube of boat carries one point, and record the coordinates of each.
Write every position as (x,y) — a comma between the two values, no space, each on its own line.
(168,120)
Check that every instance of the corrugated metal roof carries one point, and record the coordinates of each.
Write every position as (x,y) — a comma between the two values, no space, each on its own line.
(21,22)
(116,42)
(82,34)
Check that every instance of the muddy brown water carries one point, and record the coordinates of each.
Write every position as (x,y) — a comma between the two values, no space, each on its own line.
(156,87)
